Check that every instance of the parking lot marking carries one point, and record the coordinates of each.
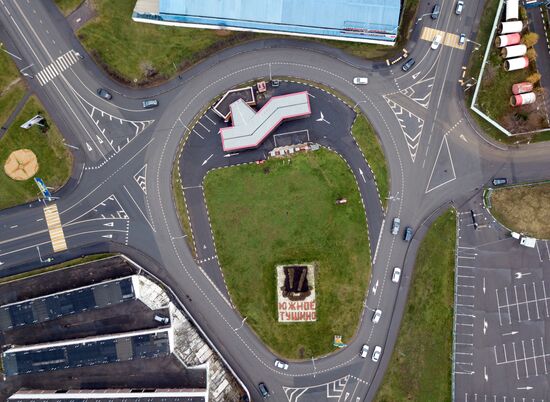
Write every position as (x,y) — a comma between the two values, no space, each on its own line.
(203,126)
(538,251)
(536,304)
(211,121)
(545,298)
(547,249)
(544,360)
(524,358)
(527,301)
(498,308)
(508,304)
(517,303)
(534,354)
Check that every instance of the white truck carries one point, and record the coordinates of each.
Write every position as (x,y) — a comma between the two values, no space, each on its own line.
(525,241)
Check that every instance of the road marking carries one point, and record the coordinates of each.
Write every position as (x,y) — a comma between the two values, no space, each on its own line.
(55,68)
(142,214)
(448,39)
(207,159)
(54,227)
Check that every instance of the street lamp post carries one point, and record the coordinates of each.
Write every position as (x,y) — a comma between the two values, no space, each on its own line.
(422,16)
(242,324)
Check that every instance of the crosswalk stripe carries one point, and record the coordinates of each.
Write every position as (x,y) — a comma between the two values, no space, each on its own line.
(41,78)
(72,58)
(51,72)
(55,229)
(54,68)
(61,64)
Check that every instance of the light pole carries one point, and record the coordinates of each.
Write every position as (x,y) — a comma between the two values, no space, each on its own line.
(242,324)
(478,45)
(40,256)
(422,16)
(357,104)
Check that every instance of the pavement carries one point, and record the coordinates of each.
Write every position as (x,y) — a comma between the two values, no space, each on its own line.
(119,197)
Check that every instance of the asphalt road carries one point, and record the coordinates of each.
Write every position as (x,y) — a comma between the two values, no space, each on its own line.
(120,198)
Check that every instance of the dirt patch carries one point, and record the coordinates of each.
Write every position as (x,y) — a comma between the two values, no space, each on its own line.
(21,165)
(524,209)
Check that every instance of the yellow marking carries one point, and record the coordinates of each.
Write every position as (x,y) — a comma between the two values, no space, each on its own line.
(54,227)
(448,39)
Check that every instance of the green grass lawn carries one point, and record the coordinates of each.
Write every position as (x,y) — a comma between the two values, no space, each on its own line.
(54,160)
(12,88)
(523,209)
(68,6)
(142,53)
(369,144)
(420,367)
(285,212)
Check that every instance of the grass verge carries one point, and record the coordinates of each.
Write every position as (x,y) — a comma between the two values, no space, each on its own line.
(68,6)
(55,267)
(181,207)
(130,50)
(370,145)
(12,88)
(284,211)
(523,209)
(55,161)
(420,367)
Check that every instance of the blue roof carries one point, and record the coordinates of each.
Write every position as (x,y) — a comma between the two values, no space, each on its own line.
(321,17)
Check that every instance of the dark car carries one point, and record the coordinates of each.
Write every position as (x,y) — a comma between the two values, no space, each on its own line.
(103,93)
(150,103)
(435,11)
(408,234)
(408,64)
(499,181)
(263,390)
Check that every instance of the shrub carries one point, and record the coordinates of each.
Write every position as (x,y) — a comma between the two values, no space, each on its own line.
(530,39)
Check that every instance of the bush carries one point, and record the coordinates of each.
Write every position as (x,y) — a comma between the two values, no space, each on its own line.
(532,54)
(534,78)
(530,39)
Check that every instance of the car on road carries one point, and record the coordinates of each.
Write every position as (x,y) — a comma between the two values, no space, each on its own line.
(395,226)
(436,42)
(281,365)
(462,39)
(364,351)
(408,234)
(459,7)
(408,64)
(162,319)
(150,103)
(376,316)
(376,353)
(263,390)
(499,181)
(103,93)
(396,275)
(435,11)
(360,80)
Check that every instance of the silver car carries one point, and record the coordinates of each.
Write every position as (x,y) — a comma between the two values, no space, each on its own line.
(376,353)
(395,226)
(376,316)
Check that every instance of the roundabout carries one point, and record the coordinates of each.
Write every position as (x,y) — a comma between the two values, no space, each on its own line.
(122,199)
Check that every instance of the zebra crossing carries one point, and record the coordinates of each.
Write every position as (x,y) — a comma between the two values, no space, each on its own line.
(54,69)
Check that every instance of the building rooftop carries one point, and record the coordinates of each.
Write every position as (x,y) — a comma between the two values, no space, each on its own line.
(74,301)
(87,351)
(359,20)
(250,128)
(102,395)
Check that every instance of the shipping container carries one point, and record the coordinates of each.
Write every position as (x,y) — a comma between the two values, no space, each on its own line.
(516,64)
(523,99)
(512,10)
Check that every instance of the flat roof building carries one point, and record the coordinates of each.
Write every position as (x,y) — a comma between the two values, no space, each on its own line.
(74,301)
(87,351)
(373,21)
(112,395)
(250,128)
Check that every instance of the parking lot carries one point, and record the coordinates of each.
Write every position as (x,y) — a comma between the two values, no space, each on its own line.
(502,312)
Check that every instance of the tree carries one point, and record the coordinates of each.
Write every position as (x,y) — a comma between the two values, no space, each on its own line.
(530,39)
(534,78)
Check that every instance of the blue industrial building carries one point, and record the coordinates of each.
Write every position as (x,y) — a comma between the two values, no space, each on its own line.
(373,21)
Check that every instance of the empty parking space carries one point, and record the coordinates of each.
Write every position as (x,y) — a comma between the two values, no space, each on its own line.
(524,302)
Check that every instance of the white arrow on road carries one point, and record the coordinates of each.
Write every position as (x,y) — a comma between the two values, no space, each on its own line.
(111,224)
(347,396)
(88,146)
(1,263)
(109,236)
(207,159)
(362,175)
(228,155)
(510,333)
(99,139)
(527,388)
(483,285)
(375,288)
(463,138)
(485,374)
(416,75)
(520,275)
(485,325)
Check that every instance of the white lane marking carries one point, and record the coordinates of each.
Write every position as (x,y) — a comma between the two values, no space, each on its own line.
(142,214)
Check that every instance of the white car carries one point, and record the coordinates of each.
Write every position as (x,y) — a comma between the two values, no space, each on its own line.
(364,351)
(376,316)
(376,353)
(459,7)
(396,275)
(436,42)
(360,80)
(281,365)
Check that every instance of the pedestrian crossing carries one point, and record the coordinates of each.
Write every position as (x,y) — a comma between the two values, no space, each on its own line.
(54,227)
(54,69)
(449,39)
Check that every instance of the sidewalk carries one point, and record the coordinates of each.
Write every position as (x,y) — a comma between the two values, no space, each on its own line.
(16,111)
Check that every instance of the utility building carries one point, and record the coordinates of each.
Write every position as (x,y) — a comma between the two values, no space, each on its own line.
(372,21)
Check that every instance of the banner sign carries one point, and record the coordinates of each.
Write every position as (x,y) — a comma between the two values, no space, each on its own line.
(43,189)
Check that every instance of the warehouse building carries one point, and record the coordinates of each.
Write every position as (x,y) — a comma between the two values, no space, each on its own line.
(372,21)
